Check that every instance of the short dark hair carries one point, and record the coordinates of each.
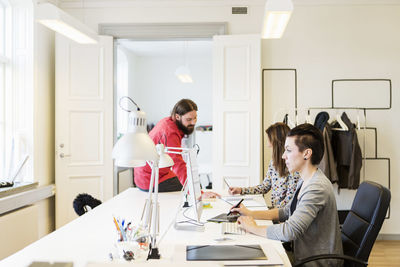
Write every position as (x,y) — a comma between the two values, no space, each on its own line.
(308,136)
(183,106)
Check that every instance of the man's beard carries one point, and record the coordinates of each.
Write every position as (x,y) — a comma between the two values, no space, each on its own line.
(183,128)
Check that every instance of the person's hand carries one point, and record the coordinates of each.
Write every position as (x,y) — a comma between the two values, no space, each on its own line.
(209,194)
(249,225)
(242,210)
(234,190)
(246,222)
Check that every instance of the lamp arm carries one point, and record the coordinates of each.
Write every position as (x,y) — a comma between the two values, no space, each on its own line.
(176,152)
(148,205)
(183,149)
(130,99)
(155,206)
(153,253)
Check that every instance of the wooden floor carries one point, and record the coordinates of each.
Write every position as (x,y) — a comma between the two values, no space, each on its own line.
(385,253)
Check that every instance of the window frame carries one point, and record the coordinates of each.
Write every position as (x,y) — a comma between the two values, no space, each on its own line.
(16,97)
(5,60)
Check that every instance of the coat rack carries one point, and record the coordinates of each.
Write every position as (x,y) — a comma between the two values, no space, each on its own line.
(333,107)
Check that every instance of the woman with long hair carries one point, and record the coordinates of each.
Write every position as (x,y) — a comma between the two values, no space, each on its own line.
(278,179)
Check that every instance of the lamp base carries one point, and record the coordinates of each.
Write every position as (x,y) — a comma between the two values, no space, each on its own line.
(154,254)
(189,227)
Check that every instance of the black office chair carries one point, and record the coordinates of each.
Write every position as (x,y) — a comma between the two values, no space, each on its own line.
(362,225)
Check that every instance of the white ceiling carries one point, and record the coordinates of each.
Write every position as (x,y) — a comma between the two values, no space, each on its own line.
(168,48)
(94,3)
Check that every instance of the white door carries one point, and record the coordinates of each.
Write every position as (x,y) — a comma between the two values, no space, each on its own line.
(84,123)
(237,110)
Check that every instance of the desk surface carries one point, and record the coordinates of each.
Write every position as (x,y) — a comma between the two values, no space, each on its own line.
(91,237)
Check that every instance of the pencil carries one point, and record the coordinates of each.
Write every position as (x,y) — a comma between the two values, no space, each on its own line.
(118,229)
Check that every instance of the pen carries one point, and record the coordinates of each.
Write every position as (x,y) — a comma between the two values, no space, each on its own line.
(236,206)
(227,183)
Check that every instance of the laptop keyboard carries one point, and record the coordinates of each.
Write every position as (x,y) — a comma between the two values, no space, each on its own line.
(232,228)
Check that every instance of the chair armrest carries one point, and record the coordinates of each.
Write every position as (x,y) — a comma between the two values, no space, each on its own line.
(330,256)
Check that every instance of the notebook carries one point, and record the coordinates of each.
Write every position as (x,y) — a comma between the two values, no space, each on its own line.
(225,253)
(248,201)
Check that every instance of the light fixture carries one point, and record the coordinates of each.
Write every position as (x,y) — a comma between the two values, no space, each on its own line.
(165,159)
(276,17)
(136,146)
(133,149)
(56,19)
(183,72)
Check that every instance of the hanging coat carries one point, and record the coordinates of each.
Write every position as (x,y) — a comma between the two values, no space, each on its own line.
(347,153)
(328,163)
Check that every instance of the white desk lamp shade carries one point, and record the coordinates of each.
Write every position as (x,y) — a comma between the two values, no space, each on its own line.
(276,16)
(165,159)
(136,146)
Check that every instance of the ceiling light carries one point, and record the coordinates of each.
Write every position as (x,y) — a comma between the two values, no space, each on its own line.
(183,72)
(276,17)
(59,21)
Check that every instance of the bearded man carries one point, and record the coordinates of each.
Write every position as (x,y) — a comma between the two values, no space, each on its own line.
(170,131)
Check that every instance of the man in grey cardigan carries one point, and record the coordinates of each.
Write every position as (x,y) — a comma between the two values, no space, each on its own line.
(310,220)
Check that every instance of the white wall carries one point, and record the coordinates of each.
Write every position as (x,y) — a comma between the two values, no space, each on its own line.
(154,11)
(323,42)
(337,42)
(156,89)
(44,93)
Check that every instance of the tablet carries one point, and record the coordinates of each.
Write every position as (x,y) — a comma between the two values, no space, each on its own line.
(223,217)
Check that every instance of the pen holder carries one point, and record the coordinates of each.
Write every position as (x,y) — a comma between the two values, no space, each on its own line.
(133,250)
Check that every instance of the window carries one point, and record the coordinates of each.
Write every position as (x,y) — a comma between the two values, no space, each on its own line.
(16,87)
(122,90)
(4,63)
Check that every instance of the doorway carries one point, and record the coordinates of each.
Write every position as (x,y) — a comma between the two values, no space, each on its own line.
(146,72)
(159,32)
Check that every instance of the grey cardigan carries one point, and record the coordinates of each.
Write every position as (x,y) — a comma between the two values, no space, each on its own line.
(314,225)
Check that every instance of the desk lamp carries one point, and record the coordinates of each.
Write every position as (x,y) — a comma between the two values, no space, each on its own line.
(133,150)
(135,146)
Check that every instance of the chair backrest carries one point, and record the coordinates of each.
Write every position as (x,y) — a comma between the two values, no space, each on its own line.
(365,219)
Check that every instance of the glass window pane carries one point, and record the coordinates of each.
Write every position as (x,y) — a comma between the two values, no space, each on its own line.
(2,28)
(2,124)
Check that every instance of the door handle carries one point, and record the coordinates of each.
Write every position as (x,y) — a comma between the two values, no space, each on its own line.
(62,155)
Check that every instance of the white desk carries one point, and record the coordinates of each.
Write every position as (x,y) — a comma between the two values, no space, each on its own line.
(91,237)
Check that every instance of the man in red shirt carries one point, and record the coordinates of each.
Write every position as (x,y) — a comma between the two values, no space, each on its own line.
(170,131)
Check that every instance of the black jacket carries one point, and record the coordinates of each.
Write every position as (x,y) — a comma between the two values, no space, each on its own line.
(347,153)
